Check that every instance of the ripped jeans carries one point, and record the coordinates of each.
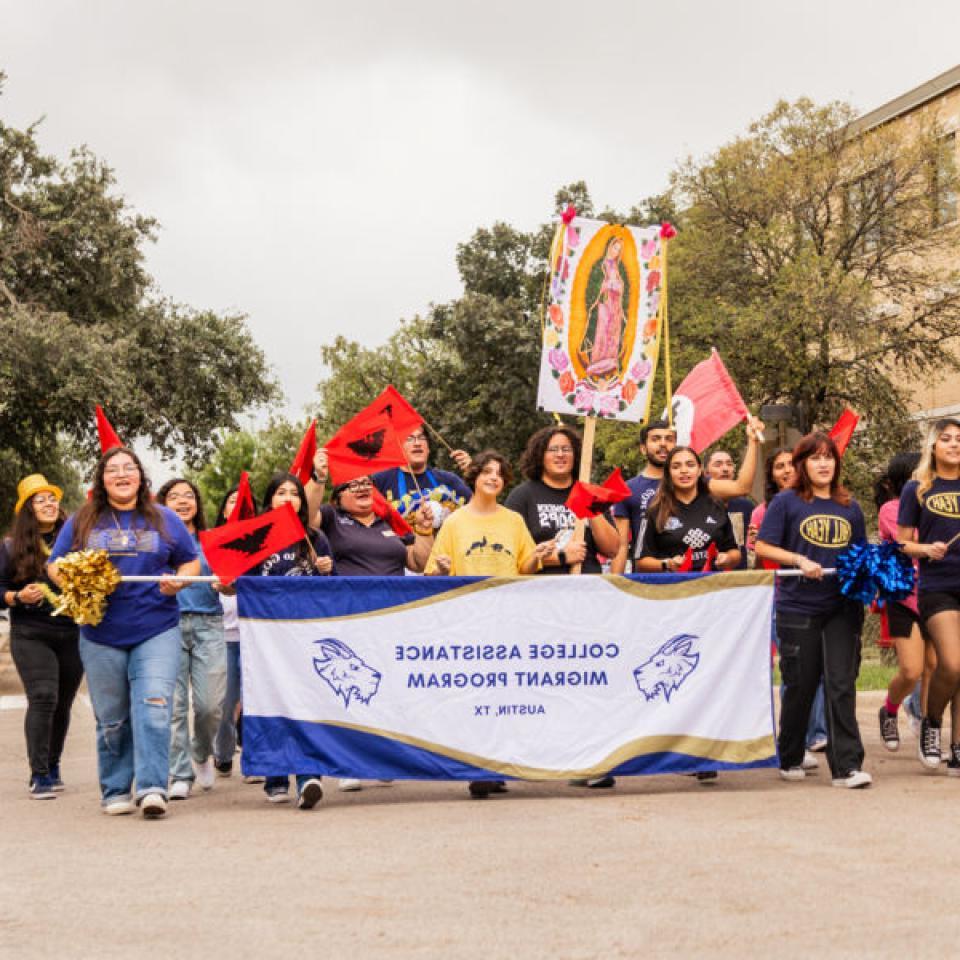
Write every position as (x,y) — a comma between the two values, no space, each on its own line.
(132,695)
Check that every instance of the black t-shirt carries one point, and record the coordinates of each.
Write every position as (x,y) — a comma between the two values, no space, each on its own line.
(36,614)
(545,514)
(364,551)
(695,526)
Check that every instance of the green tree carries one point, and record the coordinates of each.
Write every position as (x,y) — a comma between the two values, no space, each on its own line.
(81,323)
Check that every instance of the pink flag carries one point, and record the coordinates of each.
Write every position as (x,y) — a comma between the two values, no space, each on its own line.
(707,404)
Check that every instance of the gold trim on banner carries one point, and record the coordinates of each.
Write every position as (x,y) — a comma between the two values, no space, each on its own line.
(723,751)
(692,588)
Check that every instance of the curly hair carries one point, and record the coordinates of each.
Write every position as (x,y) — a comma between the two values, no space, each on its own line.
(531,460)
(481,460)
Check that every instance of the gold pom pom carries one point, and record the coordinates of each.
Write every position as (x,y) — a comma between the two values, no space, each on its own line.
(87,578)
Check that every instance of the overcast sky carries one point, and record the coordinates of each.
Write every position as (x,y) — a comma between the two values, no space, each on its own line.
(314,164)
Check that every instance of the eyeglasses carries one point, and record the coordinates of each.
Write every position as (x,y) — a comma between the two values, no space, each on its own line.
(355,486)
(416,438)
(186,495)
(558,450)
(126,469)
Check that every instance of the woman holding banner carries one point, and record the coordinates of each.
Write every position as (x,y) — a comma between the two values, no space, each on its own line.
(928,526)
(132,656)
(309,557)
(807,527)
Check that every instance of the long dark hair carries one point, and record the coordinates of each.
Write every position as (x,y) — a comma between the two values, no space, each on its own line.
(531,460)
(273,485)
(199,521)
(665,503)
(88,516)
(26,547)
(222,512)
(770,488)
(899,470)
(817,442)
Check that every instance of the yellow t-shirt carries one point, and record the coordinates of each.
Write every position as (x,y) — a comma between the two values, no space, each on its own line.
(485,545)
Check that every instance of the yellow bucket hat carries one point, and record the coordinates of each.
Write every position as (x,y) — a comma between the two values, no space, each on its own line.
(35,483)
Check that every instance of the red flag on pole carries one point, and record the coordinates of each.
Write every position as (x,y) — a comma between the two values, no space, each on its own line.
(707,404)
(588,500)
(302,466)
(235,548)
(386,511)
(106,433)
(842,431)
(366,443)
(243,509)
(400,411)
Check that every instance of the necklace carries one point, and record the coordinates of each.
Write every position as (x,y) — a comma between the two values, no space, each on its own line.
(124,540)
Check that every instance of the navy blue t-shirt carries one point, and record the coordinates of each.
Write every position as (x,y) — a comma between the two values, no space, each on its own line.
(135,611)
(937,519)
(634,508)
(398,487)
(364,550)
(819,530)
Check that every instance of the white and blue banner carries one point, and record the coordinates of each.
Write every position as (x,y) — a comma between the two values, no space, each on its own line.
(536,678)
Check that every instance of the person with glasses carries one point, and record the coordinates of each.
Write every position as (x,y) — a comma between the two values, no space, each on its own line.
(203,658)
(132,656)
(550,464)
(405,488)
(44,647)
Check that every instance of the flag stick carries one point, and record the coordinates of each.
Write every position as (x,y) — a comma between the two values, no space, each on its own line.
(952,540)
(438,435)
(665,333)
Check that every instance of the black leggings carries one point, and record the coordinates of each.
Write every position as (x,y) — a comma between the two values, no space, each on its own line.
(48,662)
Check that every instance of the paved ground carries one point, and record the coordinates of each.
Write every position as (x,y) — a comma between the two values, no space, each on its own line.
(658,867)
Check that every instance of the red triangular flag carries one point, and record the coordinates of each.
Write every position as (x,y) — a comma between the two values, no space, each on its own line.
(588,500)
(400,411)
(365,444)
(235,548)
(711,556)
(842,431)
(707,404)
(684,567)
(386,511)
(106,433)
(243,509)
(302,466)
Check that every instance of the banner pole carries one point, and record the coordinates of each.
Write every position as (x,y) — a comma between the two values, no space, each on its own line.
(665,328)
(586,471)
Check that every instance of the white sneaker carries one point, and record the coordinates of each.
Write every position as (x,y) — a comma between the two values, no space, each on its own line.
(153,806)
(349,785)
(809,762)
(206,774)
(180,789)
(119,806)
(793,774)
(854,780)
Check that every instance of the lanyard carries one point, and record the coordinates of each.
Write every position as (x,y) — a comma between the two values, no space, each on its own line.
(402,482)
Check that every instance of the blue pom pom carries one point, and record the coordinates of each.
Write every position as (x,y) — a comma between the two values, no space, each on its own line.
(867,571)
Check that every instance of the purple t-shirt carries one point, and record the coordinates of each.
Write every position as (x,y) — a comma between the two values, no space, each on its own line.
(634,508)
(135,611)
(819,530)
(937,519)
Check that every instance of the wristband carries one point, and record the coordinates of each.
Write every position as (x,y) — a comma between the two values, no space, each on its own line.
(562,557)
(315,477)
(665,566)
(423,532)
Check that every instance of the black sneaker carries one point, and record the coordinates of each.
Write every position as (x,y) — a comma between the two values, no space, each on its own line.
(929,744)
(55,780)
(41,788)
(953,764)
(498,786)
(480,789)
(889,731)
(310,794)
(223,767)
(707,776)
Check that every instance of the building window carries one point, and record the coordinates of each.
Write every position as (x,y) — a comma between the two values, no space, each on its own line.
(869,202)
(945,181)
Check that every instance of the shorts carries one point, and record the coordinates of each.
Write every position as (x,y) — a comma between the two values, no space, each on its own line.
(933,603)
(900,619)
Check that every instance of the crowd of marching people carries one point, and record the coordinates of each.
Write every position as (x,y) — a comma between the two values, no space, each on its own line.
(163,665)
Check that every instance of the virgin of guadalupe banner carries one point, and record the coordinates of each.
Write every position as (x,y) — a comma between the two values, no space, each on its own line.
(601,338)
(465,678)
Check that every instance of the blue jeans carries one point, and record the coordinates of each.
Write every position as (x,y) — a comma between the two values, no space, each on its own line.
(817,725)
(132,695)
(226,742)
(203,670)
